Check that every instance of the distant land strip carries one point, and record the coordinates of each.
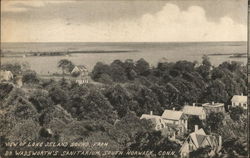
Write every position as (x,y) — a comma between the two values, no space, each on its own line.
(60,53)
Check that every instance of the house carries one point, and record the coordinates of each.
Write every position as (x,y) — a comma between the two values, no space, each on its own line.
(157,121)
(81,74)
(199,139)
(239,100)
(6,75)
(194,111)
(81,69)
(176,118)
(213,107)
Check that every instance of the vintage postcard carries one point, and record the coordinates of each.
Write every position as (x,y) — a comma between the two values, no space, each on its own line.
(124,78)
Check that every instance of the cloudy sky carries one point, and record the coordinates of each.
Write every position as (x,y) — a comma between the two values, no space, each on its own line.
(123,21)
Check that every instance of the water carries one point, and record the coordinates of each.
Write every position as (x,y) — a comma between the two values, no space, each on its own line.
(152,52)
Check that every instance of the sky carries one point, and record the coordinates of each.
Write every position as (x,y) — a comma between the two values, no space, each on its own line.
(123,20)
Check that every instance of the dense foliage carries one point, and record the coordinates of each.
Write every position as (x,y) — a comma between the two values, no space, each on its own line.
(49,110)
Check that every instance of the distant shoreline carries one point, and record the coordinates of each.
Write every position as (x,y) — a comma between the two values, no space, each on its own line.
(131,42)
(231,55)
(61,53)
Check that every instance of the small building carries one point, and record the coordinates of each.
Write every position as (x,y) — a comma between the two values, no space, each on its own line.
(177,118)
(157,121)
(194,111)
(81,74)
(6,75)
(81,69)
(213,107)
(239,100)
(199,139)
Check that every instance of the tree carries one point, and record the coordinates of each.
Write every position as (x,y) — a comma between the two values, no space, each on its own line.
(15,68)
(235,147)
(40,99)
(192,121)
(204,69)
(125,129)
(214,120)
(217,73)
(58,95)
(5,89)
(203,152)
(153,141)
(184,66)
(30,77)
(129,67)
(65,65)
(236,112)
(118,73)
(206,61)
(98,108)
(26,130)
(216,91)
(101,72)
(120,99)
(142,67)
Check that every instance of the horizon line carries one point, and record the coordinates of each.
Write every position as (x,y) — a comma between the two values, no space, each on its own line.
(134,42)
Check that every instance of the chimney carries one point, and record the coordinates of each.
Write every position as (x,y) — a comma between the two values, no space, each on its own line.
(220,142)
(173,136)
(173,109)
(196,127)
(193,104)
(151,112)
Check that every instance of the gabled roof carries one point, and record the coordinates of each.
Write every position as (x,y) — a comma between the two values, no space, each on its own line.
(79,68)
(172,115)
(154,118)
(193,110)
(199,137)
(239,99)
(148,116)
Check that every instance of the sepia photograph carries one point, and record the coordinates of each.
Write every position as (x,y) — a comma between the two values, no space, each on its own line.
(124,79)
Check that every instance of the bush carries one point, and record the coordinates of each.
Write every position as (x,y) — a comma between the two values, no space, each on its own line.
(30,77)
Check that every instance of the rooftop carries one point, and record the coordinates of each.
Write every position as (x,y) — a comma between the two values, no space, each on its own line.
(154,118)
(213,104)
(172,115)
(193,110)
(239,99)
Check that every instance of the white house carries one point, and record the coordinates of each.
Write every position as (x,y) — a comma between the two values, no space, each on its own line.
(213,107)
(177,118)
(157,121)
(194,111)
(239,100)
(6,75)
(82,74)
(199,139)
